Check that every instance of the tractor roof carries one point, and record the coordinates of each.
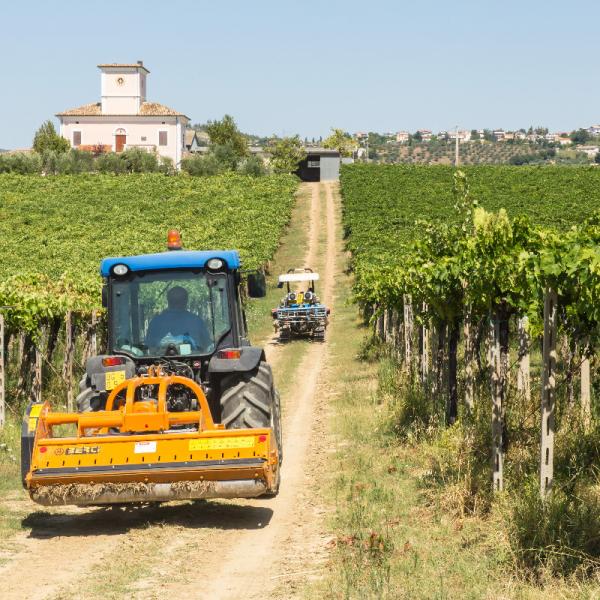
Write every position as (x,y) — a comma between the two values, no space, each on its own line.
(178,259)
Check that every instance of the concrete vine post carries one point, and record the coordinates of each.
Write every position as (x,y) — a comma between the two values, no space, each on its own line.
(68,359)
(94,336)
(386,325)
(425,350)
(469,379)
(497,408)
(434,362)
(36,388)
(523,376)
(380,326)
(548,393)
(585,389)
(2,373)
(441,369)
(408,334)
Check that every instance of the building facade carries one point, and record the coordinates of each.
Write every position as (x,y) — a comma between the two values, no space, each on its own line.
(124,118)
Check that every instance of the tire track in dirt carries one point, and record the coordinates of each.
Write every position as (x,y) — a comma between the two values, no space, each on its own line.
(246,573)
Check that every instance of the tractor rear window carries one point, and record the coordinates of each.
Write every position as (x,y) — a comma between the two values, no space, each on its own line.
(175,313)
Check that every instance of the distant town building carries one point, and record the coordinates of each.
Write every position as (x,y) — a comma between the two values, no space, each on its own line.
(462,134)
(590,151)
(498,134)
(124,118)
(402,137)
(594,130)
(425,135)
(191,141)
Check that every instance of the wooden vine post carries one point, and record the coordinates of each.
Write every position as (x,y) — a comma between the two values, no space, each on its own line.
(68,364)
(548,393)
(2,373)
(523,377)
(497,408)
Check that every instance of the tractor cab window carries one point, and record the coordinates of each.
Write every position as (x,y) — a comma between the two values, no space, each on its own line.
(173,313)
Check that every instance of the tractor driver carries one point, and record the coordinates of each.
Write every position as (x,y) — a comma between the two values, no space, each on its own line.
(178,322)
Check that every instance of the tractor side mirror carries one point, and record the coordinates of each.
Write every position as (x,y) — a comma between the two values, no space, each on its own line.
(257,285)
(104,296)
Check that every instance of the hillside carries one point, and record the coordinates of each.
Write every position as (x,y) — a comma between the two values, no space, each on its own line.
(470,153)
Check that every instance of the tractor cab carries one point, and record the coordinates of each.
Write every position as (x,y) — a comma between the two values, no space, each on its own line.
(183,304)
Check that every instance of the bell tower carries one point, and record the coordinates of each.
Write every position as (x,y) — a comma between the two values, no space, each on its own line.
(123,88)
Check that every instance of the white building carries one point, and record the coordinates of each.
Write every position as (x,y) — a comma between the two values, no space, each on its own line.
(124,118)
(594,130)
(425,134)
(402,137)
(464,135)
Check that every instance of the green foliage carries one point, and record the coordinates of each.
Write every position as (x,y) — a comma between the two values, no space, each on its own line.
(581,136)
(226,133)
(341,141)
(201,165)
(559,535)
(21,163)
(253,166)
(286,154)
(46,139)
(477,257)
(136,160)
(51,264)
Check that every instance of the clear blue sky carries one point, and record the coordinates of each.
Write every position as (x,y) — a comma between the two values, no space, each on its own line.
(302,67)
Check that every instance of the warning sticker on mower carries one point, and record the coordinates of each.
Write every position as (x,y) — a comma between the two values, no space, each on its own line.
(224,443)
(144,447)
(36,409)
(114,378)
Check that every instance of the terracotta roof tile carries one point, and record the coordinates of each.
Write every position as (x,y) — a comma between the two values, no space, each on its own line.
(148,109)
(87,110)
(158,110)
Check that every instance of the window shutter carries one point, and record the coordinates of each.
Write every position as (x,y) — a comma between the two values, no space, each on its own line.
(162,138)
(77,138)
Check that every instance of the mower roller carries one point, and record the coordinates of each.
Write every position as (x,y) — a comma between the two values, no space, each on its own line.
(181,408)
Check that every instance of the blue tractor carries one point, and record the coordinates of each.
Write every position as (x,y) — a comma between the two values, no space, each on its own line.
(300,313)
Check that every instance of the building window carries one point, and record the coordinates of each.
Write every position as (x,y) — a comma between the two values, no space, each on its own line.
(76,138)
(162,138)
(314,164)
(143,138)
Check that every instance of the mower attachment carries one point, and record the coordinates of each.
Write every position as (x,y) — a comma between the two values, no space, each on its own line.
(138,451)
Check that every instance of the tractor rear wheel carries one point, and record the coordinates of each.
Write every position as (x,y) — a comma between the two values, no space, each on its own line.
(247,398)
(250,400)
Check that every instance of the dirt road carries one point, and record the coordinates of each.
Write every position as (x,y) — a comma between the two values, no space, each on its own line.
(216,550)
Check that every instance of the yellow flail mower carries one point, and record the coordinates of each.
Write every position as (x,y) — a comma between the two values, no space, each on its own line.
(182,406)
